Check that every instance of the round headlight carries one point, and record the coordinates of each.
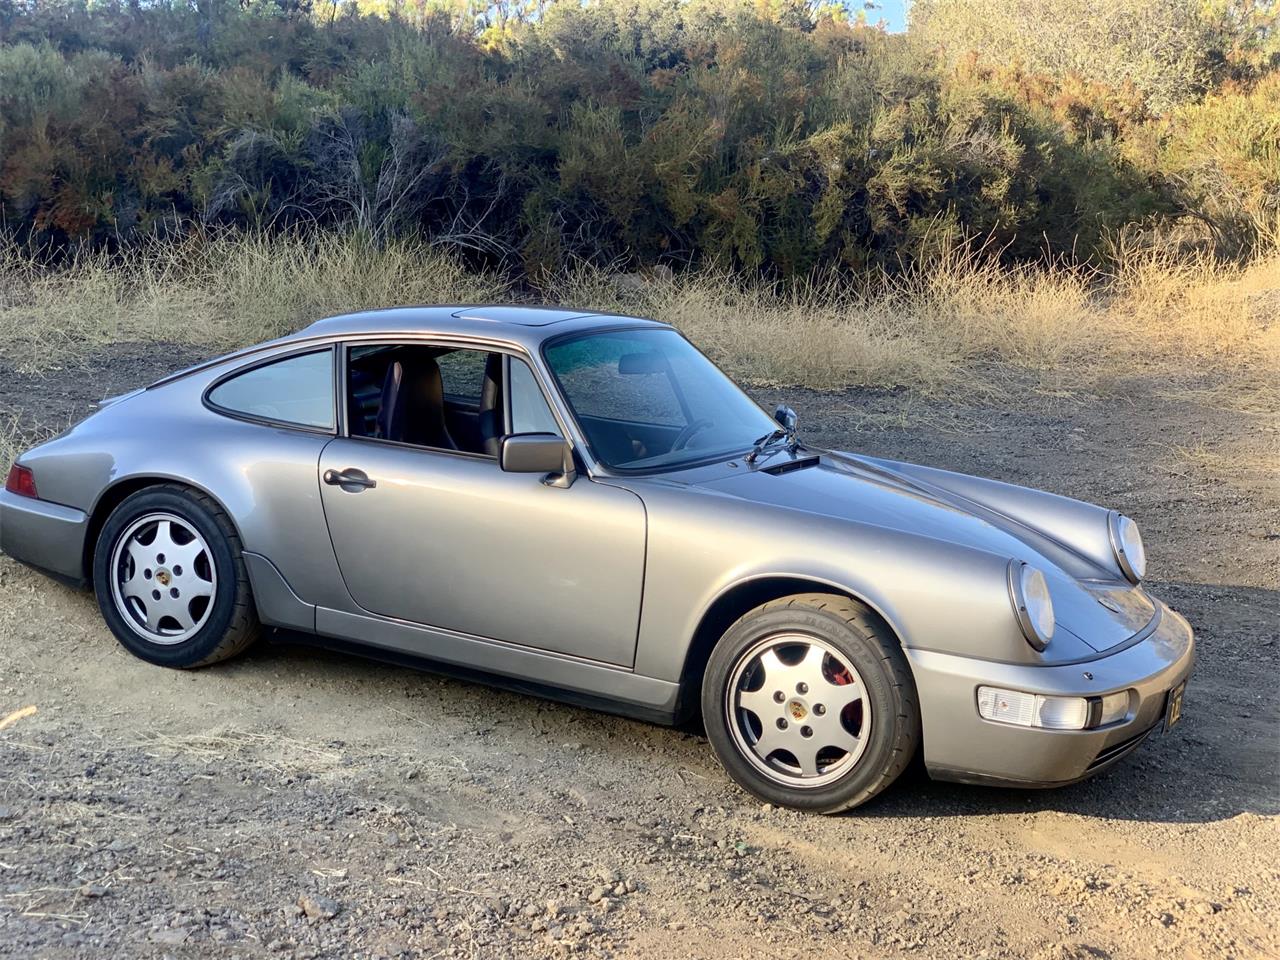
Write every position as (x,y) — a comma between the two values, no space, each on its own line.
(1032,604)
(1126,541)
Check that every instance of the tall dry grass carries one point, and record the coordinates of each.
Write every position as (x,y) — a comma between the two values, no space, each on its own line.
(944,326)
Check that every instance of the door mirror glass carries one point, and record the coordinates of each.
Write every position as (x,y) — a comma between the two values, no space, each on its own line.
(786,418)
(544,453)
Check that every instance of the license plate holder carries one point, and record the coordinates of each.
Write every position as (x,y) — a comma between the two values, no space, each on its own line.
(1173,706)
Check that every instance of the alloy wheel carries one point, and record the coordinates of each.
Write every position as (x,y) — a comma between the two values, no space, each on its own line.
(798,711)
(163,579)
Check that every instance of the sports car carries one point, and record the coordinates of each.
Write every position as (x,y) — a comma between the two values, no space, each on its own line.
(584,506)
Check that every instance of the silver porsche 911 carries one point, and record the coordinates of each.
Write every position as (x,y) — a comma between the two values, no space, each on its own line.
(585,506)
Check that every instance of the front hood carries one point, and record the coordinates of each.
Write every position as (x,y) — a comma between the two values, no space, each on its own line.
(1087,601)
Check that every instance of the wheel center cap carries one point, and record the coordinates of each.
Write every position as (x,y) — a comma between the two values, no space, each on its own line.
(798,710)
(163,577)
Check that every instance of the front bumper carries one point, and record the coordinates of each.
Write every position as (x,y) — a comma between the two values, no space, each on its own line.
(45,535)
(961,745)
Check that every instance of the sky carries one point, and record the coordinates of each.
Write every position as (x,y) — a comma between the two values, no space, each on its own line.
(893,12)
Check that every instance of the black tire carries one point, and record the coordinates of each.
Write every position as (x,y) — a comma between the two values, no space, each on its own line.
(231,624)
(866,642)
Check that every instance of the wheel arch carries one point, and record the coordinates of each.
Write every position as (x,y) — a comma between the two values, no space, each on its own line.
(738,599)
(121,490)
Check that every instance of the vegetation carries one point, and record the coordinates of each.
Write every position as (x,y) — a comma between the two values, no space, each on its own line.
(949,327)
(816,201)
(773,138)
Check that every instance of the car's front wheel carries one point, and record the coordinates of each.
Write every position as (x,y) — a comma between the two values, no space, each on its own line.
(170,580)
(809,703)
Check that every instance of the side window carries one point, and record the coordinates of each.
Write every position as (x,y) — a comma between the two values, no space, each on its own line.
(294,390)
(426,395)
(529,410)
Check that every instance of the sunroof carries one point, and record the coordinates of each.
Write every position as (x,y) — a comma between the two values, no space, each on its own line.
(526,316)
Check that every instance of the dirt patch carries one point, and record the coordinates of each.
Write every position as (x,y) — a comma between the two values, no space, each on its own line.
(308,804)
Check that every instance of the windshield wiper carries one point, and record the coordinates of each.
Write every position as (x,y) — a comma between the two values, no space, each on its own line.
(763,443)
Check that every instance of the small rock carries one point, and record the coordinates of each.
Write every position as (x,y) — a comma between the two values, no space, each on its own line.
(7,813)
(317,907)
(596,895)
(172,936)
(93,890)
(619,889)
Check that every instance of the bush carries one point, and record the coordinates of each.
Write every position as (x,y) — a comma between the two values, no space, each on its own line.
(721,134)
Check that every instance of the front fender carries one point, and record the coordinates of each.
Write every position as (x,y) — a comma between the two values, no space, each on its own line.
(936,595)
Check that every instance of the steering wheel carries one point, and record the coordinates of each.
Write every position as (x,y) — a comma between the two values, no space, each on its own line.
(684,436)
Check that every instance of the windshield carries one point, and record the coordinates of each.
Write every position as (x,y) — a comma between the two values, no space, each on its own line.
(648,399)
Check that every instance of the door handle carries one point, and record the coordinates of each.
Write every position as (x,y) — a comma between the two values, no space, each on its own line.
(350,479)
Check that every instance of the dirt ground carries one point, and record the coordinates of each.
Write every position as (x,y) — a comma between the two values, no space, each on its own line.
(298,803)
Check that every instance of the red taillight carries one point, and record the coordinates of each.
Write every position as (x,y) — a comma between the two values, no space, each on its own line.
(21,481)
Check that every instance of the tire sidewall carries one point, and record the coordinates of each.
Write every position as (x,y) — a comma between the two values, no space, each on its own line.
(201,644)
(864,654)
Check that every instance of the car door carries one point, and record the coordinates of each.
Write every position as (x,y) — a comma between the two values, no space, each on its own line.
(446,539)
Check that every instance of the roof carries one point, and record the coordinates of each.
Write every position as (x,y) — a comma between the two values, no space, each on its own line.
(524,326)
(528,325)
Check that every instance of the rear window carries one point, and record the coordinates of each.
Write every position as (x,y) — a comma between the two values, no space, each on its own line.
(296,390)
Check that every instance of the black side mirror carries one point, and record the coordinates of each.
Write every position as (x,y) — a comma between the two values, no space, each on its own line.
(544,453)
(786,418)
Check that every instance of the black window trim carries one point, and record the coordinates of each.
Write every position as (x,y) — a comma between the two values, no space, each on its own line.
(329,431)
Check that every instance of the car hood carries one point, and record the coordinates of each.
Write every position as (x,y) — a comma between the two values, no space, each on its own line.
(1088,602)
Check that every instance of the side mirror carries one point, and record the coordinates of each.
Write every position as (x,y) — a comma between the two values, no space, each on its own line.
(786,418)
(544,453)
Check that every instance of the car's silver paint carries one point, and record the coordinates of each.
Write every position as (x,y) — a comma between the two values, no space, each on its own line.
(43,534)
(455,542)
(927,549)
(963,746)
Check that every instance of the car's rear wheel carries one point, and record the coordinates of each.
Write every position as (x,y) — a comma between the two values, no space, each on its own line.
(170,579)
(808,702)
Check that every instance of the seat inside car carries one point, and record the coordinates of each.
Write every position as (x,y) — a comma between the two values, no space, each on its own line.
(412,404)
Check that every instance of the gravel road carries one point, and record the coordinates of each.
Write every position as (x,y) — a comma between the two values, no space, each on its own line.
(308,804)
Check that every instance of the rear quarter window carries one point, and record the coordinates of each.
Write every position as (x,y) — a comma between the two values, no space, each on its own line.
(296,390)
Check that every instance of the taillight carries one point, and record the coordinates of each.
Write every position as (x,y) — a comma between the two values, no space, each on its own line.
(21,481)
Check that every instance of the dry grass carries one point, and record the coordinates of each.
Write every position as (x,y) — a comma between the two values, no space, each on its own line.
(939,328)
(932,327)
(219,293)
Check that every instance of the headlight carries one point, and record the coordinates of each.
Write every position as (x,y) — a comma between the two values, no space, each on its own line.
(1032,604)
(1126,541)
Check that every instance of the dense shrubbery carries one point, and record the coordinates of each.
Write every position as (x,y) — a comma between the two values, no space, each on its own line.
(755,136)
